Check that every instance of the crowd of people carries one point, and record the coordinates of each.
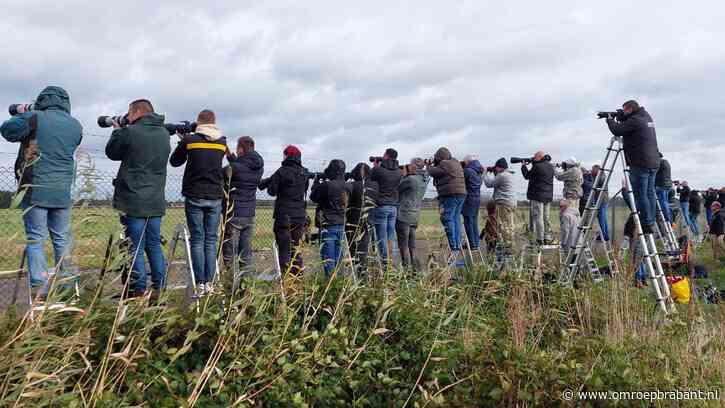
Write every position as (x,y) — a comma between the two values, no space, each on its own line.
(378,204)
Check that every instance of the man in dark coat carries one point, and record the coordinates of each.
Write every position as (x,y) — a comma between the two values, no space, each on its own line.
(472,172)
(683,189)
(663,185)
(450,184)
(143,148)
(245,171)
(45,170)
(540,193)
(637,130)
(289,185)
(695,210)
(363,200)
(387,174)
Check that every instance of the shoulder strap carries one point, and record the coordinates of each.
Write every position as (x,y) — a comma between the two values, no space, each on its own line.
(27,152)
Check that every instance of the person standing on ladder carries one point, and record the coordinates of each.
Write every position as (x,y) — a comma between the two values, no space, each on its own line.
(603,204)
(637,130)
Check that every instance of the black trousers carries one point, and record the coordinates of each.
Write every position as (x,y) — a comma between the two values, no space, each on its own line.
(288,236)
(358,238)
(406,242)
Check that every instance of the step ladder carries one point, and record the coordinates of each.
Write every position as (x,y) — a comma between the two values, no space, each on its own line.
(668,237)
(576,254)
(181,234)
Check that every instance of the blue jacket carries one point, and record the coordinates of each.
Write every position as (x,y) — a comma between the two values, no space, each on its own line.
(588,182)
(246,172)
(472,174)
(57,136)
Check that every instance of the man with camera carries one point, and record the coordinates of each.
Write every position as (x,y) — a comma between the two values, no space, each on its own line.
(472,172)
(142,147)
(639,138)
(332,196)
(411,191)
(501,180)
(45,170)
(571,175)
(289,185)
(387,174)
(683,189)
(244,171)
(203,152)
(540,193)
(663,185)
(363,200)
(450,184)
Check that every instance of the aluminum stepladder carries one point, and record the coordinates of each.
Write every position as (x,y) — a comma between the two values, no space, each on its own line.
(470,251)
(181,233)
(574,260)
(668,237)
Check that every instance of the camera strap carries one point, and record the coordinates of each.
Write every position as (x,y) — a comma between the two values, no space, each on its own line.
(27,154)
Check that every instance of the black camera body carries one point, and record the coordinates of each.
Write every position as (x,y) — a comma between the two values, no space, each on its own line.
(184,127)
(618,114)
(107,121)
(375,159)
(18,108)
(491,169)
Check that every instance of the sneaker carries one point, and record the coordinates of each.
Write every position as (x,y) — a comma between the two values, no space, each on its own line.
(209,288)
(200,289)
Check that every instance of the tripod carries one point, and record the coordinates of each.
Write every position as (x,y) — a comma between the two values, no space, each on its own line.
(576,255)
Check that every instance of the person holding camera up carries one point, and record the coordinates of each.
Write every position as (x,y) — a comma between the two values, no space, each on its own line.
(501,180)
(142,147)
(450,184)
(472,172)
(387,174)
(289,185)
(45,170)
(245,171)
(411,190)
(663,185)
(331,196)
(203,184)
(639,138)
(363,200)
(540,193)
(571,175)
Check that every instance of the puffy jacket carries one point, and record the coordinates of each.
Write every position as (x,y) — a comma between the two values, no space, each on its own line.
(639,138)
(203,153)
(246,172)
(388,176)
(684,192)
(503,188)
(289,185)
(143,150)
(541,181)
(49,159)
(572,179)
(695,203)
(412,189)
(332,196)
(447,174)
(664,175)
(472,174)
(364,196)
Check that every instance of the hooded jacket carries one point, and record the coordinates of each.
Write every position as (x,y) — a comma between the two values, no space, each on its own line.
(503,188)
(412,189)
(143,150)
(289,185)
(639,139)
(447,174)
(49,159)
(203,153)
(332,196)
(246,172)
(364,196)
(472,175)
(664,175)
(572,179)
(388,176)
(541,181)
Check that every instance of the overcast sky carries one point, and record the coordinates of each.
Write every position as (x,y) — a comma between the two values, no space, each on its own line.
(348,79)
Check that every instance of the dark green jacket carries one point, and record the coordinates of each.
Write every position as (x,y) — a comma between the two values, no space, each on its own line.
(57,136)
(411,191)
(143,149)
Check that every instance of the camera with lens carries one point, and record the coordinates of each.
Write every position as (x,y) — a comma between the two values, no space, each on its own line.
(618,114)
(107,121)
(491,169)
(18,108)
(183,128)
(527,160)
(375,159)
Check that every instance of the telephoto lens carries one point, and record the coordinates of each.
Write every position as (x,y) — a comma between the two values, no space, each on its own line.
(107,121)
(18,108)
(183,128)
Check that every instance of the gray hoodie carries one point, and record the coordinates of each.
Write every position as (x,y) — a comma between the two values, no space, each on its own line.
(503,187)
(572,178)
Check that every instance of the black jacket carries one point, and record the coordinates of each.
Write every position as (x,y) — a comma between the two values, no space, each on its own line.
(388,176)
(363,197)
(717,226)
(684,192)
(721,198)
(541,181)
(246,172)
(640,139)
(203,177)
(664,177)
(695,203)
(709,197)
(332,196)
(289,184)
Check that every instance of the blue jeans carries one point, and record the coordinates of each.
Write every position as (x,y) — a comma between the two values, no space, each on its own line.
(643,188)
(693,219)
(149,239)
(331,249)
(602,216)
(203,217)
(383,219)
(662,197)
(708,215)
(470,222)
(641,274)
(451,219)
(685,206)
(40,221)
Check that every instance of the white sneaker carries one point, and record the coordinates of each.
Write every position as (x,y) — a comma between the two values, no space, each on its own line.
(200,289)
(209,288)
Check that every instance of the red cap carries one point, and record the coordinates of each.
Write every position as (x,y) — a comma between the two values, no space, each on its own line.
(292,151)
